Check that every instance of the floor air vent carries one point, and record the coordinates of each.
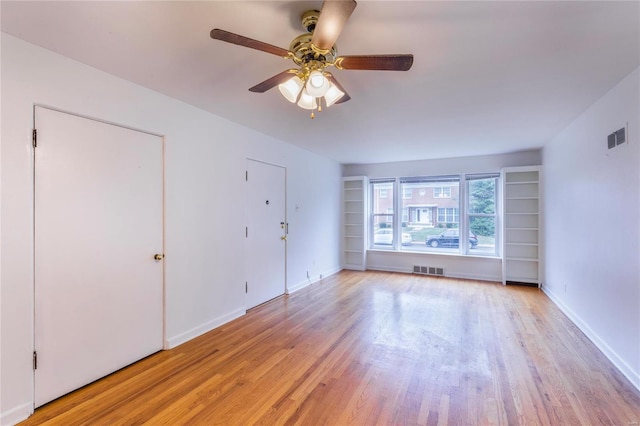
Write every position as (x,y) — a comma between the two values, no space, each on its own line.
(428,270)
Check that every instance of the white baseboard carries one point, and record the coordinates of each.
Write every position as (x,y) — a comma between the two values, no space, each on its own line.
(478,277)
(625,369)
(383,268)
(299,286)
(302,284)
(16,414)
(181,338)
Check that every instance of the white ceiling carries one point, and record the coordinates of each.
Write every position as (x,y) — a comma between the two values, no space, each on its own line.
(488,77)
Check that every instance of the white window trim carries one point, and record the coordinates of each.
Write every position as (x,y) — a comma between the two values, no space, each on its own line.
(463,219)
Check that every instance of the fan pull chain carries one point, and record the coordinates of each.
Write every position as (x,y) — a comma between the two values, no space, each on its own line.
(319,103)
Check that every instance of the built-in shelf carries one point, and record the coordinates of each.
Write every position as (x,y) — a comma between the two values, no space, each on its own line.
(521,225)
(354,240)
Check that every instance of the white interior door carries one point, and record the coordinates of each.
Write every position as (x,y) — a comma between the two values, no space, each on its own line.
(98,225)
(266,236)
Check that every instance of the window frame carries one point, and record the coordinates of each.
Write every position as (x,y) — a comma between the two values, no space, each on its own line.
(441,193)
(454,214)
(495,215)
(373,216)
(464,215)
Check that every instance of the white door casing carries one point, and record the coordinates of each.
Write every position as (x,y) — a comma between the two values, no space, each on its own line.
(98,223)
(266,232)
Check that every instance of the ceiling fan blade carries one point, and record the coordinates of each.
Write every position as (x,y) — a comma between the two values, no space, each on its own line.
(223,35)
(333,16)
(375,62)
(346,96)
(273,81)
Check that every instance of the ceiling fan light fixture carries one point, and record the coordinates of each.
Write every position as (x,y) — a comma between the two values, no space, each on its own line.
(291,88)
(333,95)
(317,84)
(309,83)
(307,101)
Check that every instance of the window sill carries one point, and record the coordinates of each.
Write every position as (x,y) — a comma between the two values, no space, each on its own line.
(412,252)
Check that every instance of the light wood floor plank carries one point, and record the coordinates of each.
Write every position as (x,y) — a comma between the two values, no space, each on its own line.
(369,348)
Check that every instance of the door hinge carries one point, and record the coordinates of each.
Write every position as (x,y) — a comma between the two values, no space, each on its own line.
(246,232)
(35,360)
(246,175)
(35,138)
(246,287)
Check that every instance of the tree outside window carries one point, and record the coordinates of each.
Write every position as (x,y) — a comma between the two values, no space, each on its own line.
(482,211)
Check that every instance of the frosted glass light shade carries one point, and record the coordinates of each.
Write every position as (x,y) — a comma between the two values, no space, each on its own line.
(333,95)
(307,101)
(291,88)
(317,84)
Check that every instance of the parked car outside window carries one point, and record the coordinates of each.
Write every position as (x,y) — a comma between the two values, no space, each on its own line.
(450,238)
(385,236)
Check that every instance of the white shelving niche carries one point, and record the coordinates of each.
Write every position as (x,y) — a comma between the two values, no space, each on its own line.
(354,199)
(521,225)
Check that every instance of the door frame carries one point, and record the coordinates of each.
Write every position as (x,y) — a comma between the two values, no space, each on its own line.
(33,224)
(246,218)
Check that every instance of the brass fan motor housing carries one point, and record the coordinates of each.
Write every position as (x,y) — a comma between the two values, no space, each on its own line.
(310,19)
(303,51)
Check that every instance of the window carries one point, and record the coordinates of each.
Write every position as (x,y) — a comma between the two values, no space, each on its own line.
(382,213)
(435,212)
(448,215)
(427,216)
(481,211)
(442,192)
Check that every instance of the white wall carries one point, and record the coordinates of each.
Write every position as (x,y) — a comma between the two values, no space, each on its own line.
(444,166)
(205,202)
(592,231)
(472,267)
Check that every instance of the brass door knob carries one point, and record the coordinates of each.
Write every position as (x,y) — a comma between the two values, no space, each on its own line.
(158,256)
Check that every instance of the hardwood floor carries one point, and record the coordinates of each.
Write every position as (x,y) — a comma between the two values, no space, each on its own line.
(371,348)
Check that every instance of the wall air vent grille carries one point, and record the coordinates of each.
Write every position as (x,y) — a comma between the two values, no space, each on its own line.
(621,136)
(428,270)
(618,137)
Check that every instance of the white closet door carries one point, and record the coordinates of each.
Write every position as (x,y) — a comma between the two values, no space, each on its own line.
(98,225)
(266,232)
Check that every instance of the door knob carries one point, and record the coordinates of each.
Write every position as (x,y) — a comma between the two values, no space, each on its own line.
(283,238)
(159,256)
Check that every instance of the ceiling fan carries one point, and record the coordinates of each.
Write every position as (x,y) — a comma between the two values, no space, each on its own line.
(309,85)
